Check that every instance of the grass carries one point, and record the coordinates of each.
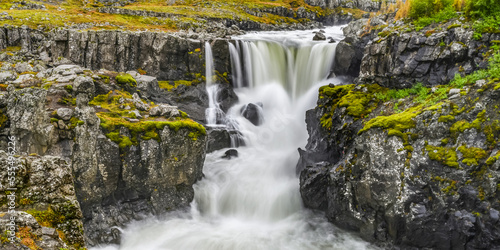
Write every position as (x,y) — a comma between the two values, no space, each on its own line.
(188,13)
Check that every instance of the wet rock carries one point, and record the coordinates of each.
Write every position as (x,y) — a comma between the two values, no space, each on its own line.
(232,153)
(217,138)
(319,37)
(253,113)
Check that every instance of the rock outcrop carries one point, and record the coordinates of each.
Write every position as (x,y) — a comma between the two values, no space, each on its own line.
(95,130)
(366,5)
(385,52)
(47,213)
(424,177)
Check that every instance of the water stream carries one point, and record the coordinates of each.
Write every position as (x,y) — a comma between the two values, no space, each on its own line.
(253,201)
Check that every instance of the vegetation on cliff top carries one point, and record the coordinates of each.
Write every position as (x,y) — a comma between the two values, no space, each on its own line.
(484,13)
(182,14)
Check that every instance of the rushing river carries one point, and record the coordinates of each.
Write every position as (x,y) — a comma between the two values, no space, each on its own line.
(253,201)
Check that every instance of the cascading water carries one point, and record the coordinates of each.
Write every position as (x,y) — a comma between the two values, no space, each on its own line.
(253,201)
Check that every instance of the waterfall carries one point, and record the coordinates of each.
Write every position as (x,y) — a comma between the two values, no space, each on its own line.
(253,201)
(297,66)
(213,113)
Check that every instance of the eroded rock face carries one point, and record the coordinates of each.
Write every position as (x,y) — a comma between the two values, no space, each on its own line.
(430,185)
(367,5)
(383,51)
(120,173)
(45,201)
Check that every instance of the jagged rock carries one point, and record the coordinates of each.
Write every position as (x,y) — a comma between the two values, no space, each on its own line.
(23,67)
(6,76)
(454,91)
(420,191)
(319,37)
(231,153)
(66,70)
(84,85)
(65,113)
(253,113)
(47,182)
(164,110)
(139,104)
(22,79)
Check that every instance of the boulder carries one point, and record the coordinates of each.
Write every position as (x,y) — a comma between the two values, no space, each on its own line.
(319,37)
(231,153)
(139,104)
(6,76)
(23,67)
(253,113)
(65,113)
(164,110)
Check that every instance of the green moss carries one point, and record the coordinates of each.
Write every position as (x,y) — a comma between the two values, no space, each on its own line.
(446,118)
(54,120)
(357,103)
(461,126)
(69,88)
(122,141)
(183,114)
(444,141)
(3,120)
(47,86)
(444,155)
(124,78)
(491,160)
(471,155)
(401,121)
(333,95)
(75,122)
(67,101)
(169,87)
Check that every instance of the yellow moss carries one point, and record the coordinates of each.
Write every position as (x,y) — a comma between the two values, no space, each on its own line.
(126,79)
(472,155)
(169,87)
(446,118)
(444,155)
(400,121)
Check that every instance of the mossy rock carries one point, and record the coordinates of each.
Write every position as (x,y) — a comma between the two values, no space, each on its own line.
(126,79)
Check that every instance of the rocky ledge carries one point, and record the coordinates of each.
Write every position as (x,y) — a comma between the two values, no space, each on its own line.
(99,149)
(411,168)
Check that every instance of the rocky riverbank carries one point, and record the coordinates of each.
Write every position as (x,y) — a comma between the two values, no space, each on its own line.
(98,142)
(415,167)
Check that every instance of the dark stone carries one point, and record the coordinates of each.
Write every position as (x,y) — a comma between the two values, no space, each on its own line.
(230,154)
(319,37)
(253,113)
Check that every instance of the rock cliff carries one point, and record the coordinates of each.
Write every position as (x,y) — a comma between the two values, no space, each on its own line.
(415,167)
(392,54)
(366,5)
(108,145)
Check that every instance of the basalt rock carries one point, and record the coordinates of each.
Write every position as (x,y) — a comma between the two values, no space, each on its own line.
(367,5)
(394,57)
(253,113)
(115,174)
(413,180)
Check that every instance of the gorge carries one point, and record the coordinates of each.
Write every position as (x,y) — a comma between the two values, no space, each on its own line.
(248,125)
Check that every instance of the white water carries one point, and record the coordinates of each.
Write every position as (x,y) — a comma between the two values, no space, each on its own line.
(253,201)
(213,111)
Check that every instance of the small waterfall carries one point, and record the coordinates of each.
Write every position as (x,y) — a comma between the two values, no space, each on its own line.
(214,115)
